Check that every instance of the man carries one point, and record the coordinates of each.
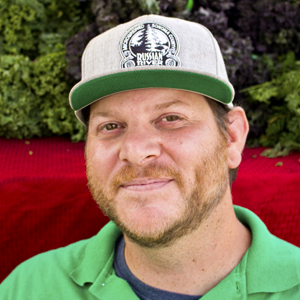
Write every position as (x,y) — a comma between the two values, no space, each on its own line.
(163,145)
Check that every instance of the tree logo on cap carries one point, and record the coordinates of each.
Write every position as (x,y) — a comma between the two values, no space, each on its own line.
(149,44)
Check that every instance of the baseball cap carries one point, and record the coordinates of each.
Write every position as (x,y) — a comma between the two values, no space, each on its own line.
(152,51)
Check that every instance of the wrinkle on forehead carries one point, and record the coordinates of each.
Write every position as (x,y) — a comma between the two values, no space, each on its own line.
(168,104)
(163,98)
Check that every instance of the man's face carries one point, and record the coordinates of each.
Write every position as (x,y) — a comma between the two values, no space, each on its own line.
(156,163)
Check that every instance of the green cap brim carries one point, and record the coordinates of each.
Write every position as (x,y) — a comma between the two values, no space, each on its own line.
(88,92)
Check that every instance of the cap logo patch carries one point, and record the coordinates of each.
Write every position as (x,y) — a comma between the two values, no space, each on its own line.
(149,44)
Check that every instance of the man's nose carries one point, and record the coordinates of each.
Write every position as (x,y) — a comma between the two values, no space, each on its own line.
(139,147)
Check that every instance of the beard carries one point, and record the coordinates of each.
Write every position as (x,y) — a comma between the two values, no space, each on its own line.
(197,202)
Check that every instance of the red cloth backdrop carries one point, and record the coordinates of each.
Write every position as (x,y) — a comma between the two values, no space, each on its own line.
(45,202)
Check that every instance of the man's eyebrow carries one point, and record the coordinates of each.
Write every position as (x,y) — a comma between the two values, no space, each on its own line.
(170,103)
(159,106)
(104,114)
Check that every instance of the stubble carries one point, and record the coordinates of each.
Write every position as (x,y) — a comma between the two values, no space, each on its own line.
(208,190)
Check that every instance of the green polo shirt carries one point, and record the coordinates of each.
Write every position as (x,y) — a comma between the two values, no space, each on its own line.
(84,270)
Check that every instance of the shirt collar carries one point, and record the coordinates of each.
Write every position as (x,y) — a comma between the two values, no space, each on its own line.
(98,255)
(264,265)
(272,264)
(96,267)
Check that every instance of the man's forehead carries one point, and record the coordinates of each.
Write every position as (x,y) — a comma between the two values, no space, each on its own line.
(149,99)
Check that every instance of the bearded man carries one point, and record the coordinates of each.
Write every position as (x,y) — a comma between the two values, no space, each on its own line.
(163,145)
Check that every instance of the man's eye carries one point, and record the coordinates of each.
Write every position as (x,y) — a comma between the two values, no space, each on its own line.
(170,118)
(111,126)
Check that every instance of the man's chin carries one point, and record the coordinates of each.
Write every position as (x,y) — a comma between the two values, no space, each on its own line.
(149,238)
(155,232)
(150,241)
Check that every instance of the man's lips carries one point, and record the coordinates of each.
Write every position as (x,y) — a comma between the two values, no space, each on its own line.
(146,184)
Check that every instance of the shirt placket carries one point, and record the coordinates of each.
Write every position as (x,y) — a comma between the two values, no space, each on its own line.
(232,287)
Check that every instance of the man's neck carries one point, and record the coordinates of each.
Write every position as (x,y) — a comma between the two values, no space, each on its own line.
(197,262)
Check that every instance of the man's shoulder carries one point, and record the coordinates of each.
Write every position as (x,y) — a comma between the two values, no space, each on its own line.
(35,274)
(62,258)
(283,258)
(273,265)
(286,248)
(46,275)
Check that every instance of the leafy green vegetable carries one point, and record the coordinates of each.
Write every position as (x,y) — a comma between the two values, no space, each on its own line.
(34,98)
(34,89)
(282,94)
(41,43)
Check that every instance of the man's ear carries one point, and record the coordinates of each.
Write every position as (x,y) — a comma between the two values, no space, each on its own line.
(237,133)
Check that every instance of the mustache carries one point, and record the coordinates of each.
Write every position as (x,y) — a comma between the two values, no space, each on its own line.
(153,170)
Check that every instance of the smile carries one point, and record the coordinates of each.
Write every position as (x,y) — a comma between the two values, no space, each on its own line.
(144,185)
